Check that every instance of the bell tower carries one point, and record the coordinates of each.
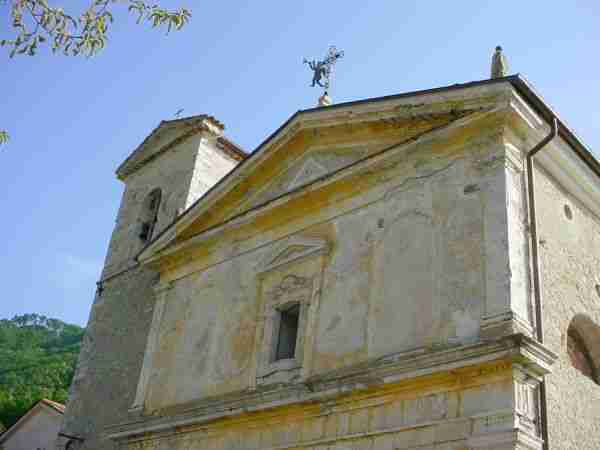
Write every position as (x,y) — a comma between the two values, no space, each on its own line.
(174,166)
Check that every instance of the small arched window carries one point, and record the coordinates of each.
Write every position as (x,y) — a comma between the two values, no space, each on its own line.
(581,331)
(149,214)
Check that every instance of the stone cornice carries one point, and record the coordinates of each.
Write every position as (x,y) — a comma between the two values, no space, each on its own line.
(515,350)
(557,159)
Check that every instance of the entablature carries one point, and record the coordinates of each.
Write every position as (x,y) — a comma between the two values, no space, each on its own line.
(449,368)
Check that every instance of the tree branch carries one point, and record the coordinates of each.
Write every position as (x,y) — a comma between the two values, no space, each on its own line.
(35,22)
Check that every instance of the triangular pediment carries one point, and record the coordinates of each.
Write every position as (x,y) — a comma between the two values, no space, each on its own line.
(165,137)
(313,164)
(290,250)
(324,143)
(307,153)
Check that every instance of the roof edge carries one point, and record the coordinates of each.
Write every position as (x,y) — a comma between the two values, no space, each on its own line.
(191,125)
(21,420)
(527,91)
(518,82)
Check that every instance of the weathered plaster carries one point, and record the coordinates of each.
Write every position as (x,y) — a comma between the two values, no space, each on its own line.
(570,262)
(373,284)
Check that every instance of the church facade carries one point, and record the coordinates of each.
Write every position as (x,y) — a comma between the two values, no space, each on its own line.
(392,273)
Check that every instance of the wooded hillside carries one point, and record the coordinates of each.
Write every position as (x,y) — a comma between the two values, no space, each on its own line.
(37,360)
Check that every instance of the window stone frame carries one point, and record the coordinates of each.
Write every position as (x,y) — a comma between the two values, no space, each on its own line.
(292,289)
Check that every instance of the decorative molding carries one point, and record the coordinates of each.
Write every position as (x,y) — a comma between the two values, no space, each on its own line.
(524,111)
(530,357)
(558,159)
(504,324)
(292,249)
(384,437)
(291,289)
(514,160)
(303,290)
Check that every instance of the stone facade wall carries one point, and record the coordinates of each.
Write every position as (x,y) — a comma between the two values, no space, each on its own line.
(569,236)
(407,270)
(115,341)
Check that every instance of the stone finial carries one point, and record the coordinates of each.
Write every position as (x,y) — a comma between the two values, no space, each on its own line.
(324,100)
(499,64)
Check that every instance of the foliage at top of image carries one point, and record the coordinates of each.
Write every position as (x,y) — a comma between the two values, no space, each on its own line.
(37,360)
(36,23)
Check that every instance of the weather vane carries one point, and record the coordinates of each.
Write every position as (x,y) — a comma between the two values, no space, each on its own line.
(323,70)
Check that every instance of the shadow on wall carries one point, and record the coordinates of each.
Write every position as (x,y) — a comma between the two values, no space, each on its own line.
(583,346)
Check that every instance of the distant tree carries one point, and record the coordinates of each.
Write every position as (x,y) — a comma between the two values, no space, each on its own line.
(35,23)
(37,360)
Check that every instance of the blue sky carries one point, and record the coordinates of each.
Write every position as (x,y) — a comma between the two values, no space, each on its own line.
(72,121)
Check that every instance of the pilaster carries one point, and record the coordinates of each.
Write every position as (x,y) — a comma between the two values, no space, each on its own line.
(161,291)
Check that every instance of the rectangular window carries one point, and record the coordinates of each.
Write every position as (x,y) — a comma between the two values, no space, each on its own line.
(288,333)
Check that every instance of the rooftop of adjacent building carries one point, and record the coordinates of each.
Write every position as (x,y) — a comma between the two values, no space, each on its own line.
(37,406)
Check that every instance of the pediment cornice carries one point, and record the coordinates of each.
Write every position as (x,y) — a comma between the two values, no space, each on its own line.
(510,99)
(367,165)
(167,135)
